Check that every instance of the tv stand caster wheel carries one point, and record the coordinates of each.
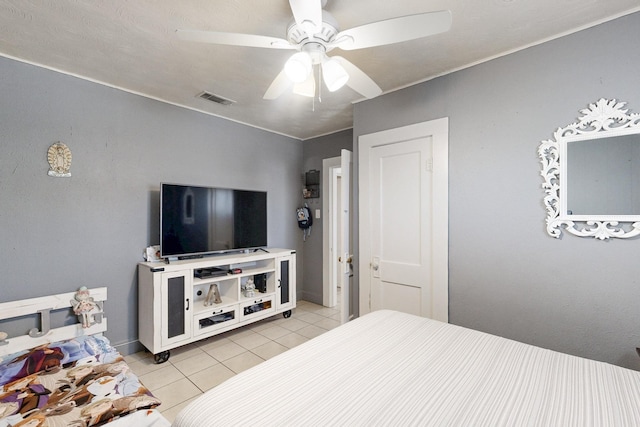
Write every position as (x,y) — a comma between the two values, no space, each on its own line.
(161,357)
(287,314)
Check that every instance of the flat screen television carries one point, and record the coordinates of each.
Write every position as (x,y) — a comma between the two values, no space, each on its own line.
(198,221)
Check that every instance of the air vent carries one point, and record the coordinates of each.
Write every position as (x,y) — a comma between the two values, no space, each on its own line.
(215,98)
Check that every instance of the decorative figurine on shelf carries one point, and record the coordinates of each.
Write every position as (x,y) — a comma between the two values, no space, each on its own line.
(3,337)
(83,304)
(213,296)
(248,289)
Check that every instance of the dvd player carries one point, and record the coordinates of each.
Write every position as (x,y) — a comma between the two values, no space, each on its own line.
(203,273)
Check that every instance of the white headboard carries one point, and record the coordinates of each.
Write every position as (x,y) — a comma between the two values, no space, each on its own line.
(43,306)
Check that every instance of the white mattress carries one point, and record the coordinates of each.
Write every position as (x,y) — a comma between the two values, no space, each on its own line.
(390,368)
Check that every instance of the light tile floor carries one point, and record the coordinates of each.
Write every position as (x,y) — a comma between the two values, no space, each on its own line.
(197,367)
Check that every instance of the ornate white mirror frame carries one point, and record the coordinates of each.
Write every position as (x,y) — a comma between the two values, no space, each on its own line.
(603,119)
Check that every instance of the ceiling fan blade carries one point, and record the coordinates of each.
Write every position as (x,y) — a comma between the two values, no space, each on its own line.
(358,80)
(308,15)
(279,85)
(394,30)
(234,39)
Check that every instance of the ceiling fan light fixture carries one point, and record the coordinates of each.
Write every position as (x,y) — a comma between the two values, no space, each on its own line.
(298,67)
(334,75)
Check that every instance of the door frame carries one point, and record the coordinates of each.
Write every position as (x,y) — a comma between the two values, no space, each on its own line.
(439,130)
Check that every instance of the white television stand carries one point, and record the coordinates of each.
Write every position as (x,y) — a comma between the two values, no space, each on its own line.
(173,309)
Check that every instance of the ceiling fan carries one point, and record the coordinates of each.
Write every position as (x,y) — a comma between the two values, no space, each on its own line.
(313,33)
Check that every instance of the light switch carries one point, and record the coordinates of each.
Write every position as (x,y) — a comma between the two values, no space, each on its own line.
(317,213)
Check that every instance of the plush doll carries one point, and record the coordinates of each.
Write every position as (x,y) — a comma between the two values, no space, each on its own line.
(83,304)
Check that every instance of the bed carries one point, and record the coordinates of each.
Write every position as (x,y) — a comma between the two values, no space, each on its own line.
(391,368)
(70,375)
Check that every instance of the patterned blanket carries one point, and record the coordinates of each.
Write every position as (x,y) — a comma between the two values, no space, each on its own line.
(78,383)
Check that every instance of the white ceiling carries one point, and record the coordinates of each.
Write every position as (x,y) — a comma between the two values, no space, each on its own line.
(131,44)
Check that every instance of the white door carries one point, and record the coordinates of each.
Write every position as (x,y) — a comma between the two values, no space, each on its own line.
(337,270)
(346,257)
(404,220)
(331,250)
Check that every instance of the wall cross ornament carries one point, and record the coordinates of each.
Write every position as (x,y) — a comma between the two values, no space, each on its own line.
(59,158)
(589,171)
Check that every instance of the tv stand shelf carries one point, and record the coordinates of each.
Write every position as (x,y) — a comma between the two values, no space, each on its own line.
(176,308)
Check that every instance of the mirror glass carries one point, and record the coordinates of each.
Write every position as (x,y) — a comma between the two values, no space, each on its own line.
(603,176)
(591,172)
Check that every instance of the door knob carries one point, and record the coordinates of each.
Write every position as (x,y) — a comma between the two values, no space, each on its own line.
(349,259)
(375,266)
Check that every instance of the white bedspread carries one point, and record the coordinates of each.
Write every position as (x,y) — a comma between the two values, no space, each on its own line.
(390,368)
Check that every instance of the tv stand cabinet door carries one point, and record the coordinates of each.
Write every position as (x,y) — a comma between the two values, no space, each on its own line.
(286,283)
(176,307)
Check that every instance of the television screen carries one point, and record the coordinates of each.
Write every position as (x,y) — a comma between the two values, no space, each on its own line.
(203,220)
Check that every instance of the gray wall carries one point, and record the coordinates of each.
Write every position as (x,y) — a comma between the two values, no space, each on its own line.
(61,233)
(314,151)
(506,275)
